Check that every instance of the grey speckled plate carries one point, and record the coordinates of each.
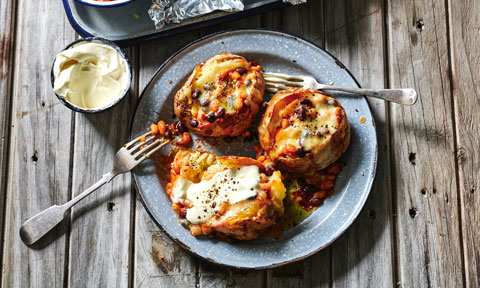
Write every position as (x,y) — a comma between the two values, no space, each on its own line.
(276,52)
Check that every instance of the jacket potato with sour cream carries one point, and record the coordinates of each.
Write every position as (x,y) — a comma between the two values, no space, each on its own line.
(221,97)
(224,197)
(303,130)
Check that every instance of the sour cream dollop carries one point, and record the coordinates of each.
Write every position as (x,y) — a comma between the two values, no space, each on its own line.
(90,75)
(231,185)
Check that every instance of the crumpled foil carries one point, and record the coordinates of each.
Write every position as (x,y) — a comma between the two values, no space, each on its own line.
(164,12)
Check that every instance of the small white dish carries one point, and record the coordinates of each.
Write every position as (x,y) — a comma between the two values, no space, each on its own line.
(117,99)
(110,3)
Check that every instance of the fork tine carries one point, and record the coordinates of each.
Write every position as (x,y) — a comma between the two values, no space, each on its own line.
(147,148)
(140,144)
(278,86)
(156,149)
(283,76)
(284,82)
(147,155)
(137,139)
(271,90)
(274,77)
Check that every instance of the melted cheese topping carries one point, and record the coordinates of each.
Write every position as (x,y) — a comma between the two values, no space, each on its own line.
(207,196)
(209,74)
(325,118)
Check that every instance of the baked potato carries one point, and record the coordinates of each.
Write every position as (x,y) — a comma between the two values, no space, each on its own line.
(221,97)
(303,130)
(224,197)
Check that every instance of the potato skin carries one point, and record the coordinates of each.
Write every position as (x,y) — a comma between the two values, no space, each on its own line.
(299,145)
(219,83)
(243,220)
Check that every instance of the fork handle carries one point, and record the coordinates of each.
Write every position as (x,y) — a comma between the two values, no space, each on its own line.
(105,179)
(400,96)
(36,227)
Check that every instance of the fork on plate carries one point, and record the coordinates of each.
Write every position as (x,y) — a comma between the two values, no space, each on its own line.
(276,82)
(129,156)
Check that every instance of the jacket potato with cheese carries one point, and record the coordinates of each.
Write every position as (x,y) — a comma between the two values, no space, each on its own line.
(224,197)
(221,97)
(303,130)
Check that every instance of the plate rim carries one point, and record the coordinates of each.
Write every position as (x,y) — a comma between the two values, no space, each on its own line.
(346,224)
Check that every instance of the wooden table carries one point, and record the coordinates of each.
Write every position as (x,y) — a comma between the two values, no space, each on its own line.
(419,228)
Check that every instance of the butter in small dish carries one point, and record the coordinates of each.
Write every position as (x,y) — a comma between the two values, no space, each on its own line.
(91,75)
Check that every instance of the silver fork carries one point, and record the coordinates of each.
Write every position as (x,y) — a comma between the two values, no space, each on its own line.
(126,159)
(276,82)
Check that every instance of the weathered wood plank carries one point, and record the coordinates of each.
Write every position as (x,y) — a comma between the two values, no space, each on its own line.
(362,257)
(212,276)
(39,154)
(422,144)
(465,40)
(158,262)
(6,56)
(312,272)
(306,21)
(100,225)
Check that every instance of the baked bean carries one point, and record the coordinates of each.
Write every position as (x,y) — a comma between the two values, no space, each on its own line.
(196,93)
(300,152)
(183,213)
(315,202)
(309,189)
(204,102)
(168,134)
(220,112)
(211,117)
(208,86)
(193,123)
(241,70)
(154,129)
(180,127)
(306,101)
(185,139)
(162,127)
(269,170)
(300,113)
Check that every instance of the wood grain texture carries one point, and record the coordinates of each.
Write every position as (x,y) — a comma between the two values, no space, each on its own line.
(6,43)
(212,276)
(39,156)
(100,225)
(465,40)
(433,195)
(307,22)
(158,261)
(362,257)
(315,271)
(427,223)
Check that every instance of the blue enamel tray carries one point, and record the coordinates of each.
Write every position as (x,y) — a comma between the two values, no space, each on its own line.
(130,24)
(281,53)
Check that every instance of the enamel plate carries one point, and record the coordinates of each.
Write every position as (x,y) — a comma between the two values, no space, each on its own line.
(275,52)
